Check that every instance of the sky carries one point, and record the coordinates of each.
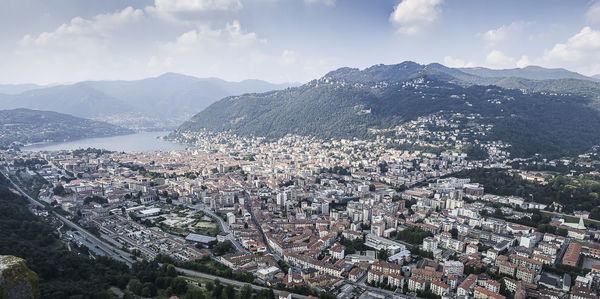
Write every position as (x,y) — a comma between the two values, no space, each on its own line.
(61,41)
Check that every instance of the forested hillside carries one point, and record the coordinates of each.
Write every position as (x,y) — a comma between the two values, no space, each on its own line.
(346,103)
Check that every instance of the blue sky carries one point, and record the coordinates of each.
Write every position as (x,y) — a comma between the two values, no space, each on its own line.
(286,40)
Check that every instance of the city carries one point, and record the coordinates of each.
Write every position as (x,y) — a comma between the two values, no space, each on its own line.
(350,218)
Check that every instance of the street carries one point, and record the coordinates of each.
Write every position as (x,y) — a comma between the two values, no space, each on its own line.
(231,282)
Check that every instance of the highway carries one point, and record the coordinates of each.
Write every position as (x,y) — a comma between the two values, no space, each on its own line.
(103,246)
(231,282)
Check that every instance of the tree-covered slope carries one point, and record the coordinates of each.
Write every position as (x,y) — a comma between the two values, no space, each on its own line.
(32,126)
(348,102)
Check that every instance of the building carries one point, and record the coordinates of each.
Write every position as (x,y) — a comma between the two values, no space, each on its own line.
(337,251)
(355,274)
(387,268)
(528,241)
(374,276)
(526,275)
(492,285)
(571,257)
(200,238)
(439,288)
(230,218)
(465,287)
(416,284)
(396,280)
(454,268)
(428,275)
(471,249)
(379,243)
(430,244)
(483,293)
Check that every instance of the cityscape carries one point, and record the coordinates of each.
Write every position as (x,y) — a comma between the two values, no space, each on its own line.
(298,149)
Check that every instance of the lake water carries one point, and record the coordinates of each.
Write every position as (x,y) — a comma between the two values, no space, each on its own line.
(139,142)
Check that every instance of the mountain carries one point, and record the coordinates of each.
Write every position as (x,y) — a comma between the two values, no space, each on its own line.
(529,72)
(164,101)
(16,88)
(32,126)
(596,76)
(349,102)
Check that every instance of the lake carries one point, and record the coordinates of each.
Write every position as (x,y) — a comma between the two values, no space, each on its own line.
(139,142)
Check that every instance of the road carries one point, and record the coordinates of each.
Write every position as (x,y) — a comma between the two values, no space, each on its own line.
(223,227)
(105,247)
(248,203)
(231,282)
(113,252)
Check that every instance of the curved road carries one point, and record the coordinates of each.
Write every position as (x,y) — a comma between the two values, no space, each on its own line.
(231,282)
(223,227)
(115,253)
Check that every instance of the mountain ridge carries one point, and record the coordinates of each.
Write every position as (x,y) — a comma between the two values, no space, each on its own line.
(161,102)
(349,102)
(24,126)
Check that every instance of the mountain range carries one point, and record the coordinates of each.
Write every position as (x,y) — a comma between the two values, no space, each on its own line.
(25,126)
(153,103)
(554,116)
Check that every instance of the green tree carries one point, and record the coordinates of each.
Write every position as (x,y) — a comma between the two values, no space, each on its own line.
(135,286)
(194,292)
(179,285)
(246,291)
(171,271)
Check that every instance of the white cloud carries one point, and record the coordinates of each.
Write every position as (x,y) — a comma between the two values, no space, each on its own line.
(450,61)
(497,59)
(204,37)
(579,52)
(523,61)
(288,57)
(593,14)
(133,43)
(178,6)
(98,27)
(326,2)
(493,37)
(411,16)
(155,62)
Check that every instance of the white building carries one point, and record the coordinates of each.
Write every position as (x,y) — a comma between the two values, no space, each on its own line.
(430,244)
(230,218)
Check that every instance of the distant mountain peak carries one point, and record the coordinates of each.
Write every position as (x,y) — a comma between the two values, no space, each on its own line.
(532,72)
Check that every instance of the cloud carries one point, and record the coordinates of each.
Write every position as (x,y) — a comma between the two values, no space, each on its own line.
(288,57)
(579,52)
(493,37)
(186,11)
(523,61)
(78,29)
(450,61)
(326,2)
(179,6)
(592,15)
(411,16)
(497,59)
(205,37)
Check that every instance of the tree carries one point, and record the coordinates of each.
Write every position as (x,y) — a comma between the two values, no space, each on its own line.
(246,291)
(372,187)
(218,289)
(382,255)
(194,293)
(179,285)
(135,286)
(171,271)
(210,286)
(229,292)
